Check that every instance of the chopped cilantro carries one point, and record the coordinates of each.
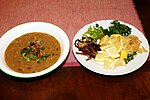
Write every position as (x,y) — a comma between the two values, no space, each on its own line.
(42,48)
(118,28)
(44,56)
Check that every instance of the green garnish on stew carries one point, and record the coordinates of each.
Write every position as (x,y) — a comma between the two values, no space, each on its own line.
(34,51)
(44,56)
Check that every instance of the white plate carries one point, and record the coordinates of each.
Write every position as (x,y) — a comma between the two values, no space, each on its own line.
(44,27)
(133,65)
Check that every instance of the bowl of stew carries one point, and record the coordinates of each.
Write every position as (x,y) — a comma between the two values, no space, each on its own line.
(33,49)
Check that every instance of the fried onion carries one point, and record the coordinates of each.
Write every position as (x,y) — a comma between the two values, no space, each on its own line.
(87,47)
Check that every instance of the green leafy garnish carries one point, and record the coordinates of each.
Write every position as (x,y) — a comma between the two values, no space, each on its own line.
(38,61)
(95,32)
(42,48)
(25,51)
(34,52)
(118,28)
(44,56)
(25,58)
(33,56)
(130,57)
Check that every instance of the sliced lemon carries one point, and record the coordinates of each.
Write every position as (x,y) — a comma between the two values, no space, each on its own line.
(118,46)
(100,56)
(103,40)
(124,54)
(112,51)
(120,62)
(115,35)
(104,47)
(114,40)
(109,63)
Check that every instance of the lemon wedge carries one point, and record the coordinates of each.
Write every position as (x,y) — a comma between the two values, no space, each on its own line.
(124,54)
(115,35)
(109,63)
(100,56)
(118,46)
(114,40)
(104,47)
(103,40)
(112,51)
(120,62)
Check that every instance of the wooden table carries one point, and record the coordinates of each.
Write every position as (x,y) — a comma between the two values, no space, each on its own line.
(78,83)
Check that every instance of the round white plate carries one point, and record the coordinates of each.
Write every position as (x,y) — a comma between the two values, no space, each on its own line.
(44,27)
(133,65)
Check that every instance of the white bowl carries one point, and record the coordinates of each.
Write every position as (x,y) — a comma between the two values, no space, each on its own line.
(19,30)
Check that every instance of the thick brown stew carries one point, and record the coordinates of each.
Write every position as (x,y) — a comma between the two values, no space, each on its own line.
(32,52)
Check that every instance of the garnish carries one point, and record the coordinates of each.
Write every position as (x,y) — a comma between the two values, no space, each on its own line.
(95,32)
(34,51)
(44,56)
(87,47)
(117,28)
(130,57)
(42,48)
(25,58)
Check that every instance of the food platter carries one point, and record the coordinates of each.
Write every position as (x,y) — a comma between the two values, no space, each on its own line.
(133,65)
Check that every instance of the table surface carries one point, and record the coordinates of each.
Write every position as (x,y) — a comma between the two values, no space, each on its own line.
(78,83)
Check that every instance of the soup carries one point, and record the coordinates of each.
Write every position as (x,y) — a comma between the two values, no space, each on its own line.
(32,52)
